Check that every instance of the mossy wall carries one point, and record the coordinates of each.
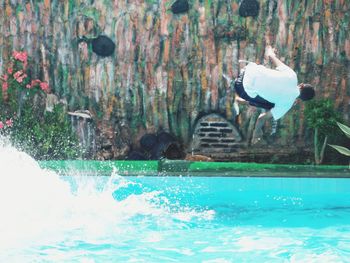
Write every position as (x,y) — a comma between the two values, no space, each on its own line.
(167,69)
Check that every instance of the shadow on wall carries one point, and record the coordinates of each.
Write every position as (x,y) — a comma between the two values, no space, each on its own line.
(158,146)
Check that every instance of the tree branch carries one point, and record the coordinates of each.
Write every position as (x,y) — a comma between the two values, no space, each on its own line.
(323,149)
(317,156)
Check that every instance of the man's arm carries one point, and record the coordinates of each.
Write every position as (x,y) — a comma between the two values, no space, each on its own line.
(270,52)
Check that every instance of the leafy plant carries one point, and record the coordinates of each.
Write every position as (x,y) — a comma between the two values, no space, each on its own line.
(42,134)
(322,117)
(341,149)
(17,85)
(50,137)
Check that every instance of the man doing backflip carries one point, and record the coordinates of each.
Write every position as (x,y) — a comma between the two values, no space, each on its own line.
(274,90)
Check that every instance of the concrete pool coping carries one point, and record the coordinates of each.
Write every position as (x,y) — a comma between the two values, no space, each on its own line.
(190,168)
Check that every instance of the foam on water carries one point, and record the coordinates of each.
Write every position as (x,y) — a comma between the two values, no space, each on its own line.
(32,200)
(39,208)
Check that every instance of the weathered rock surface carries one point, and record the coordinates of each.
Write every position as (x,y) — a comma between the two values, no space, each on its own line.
(166,69)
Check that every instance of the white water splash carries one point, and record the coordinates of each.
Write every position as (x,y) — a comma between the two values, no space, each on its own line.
(41,209)
(32,200)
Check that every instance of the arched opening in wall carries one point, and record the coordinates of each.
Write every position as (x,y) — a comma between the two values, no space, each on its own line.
(214,134)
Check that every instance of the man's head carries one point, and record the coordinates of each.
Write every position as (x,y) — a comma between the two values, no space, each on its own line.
(307,91)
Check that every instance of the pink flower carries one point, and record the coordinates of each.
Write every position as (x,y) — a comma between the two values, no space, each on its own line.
(9,122)
(35,82)
(18,74)
(21,56)
(5,77)
(5,86)
(28,86)
(9,70)
(44,86)
(20,79)
(1,125)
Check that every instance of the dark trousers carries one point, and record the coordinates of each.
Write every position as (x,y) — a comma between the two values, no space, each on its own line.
(257,101)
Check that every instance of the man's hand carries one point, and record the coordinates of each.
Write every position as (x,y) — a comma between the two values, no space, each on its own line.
(270,52)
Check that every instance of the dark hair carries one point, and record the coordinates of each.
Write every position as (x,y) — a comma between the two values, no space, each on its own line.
(307,92)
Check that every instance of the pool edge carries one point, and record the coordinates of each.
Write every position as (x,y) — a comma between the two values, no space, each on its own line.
(189,168)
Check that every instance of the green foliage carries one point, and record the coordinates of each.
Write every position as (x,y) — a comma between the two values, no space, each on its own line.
(43,135)
(341,149)
(321,115)
(345,129)
(50,137)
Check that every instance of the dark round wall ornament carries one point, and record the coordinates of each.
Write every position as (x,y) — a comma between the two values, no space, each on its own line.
(180,6)
(101,45)
(249,8)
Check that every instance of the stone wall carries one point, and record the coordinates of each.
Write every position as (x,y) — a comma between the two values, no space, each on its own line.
(166,70)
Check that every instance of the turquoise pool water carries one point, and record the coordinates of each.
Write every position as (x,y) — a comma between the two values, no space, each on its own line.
(48,218)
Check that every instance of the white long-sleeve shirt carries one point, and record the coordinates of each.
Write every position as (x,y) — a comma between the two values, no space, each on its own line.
(278,86)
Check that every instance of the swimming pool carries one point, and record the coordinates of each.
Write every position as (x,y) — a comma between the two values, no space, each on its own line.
(48,218)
